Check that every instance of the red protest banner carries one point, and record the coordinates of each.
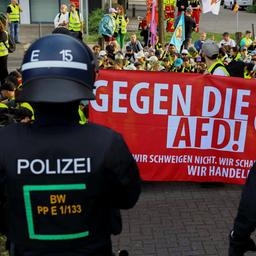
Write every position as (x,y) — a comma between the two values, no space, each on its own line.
(181,127)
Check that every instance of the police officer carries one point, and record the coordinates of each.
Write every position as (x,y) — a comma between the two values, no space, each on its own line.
(62,180)
(245,221)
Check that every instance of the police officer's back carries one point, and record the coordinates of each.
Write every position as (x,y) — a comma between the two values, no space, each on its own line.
(240,240)
(62,180)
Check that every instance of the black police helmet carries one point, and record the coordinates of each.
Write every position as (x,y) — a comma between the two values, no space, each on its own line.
(57,69)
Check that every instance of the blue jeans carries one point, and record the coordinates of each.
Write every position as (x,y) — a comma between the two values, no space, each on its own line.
(14,31)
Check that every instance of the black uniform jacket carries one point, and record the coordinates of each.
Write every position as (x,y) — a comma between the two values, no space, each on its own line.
(60,185)
(245,221)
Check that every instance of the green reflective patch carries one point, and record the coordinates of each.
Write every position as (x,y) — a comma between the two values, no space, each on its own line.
(29,213)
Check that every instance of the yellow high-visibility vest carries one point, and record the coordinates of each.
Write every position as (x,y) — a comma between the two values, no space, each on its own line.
(2,105)
(15,14)
(29,107)
(218,64)
(74,22)
(4,47)
(123,26)
(247,75)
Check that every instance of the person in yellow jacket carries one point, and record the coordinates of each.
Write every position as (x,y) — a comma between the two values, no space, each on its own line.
(210,51)
(4,119)
(249,72)
(3,48)
(13,13)
(75,24)
(121,26)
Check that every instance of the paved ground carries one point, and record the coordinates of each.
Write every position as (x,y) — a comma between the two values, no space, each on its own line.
(173,219)
(180,219)
(226,21)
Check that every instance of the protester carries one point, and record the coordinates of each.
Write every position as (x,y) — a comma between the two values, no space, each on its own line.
(249,71)
(166,63)
(129,55)
(7,91)
(235,54)
(190,26)
(110,49)
(75,22)
(62,18)
(246,40)
(178,65)
(196,6)
(187,66)
(226,40)
(253,57)
(158,45)
(210,51)
(144,28)
(13,14)
(107,25)
(198,44)
(245,56)
(135,44)
(121,26)
(182,5)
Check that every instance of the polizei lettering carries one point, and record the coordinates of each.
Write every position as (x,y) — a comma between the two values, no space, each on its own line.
(50,167)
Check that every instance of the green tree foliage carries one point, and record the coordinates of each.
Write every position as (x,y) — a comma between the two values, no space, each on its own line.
(251,8)
(94,20)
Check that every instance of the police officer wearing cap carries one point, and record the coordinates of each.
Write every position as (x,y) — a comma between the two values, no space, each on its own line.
(62,180)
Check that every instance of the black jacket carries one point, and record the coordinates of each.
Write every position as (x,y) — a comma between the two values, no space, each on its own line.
(181,3)
(245,221)
(61,185)
(3,36)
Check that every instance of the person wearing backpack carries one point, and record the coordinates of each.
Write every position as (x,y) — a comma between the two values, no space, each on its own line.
(107,25)
(61,19)
(210,51)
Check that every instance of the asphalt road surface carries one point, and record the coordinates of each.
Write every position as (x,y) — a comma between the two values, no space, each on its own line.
(227,21)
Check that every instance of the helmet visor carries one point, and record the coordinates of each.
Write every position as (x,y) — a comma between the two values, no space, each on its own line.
(54,90)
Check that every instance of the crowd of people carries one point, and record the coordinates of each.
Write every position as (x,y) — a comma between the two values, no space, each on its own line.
(236,59)
(226,58)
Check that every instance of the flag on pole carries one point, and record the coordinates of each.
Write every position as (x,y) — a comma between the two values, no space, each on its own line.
(179,34)
(153,23)
(211,6)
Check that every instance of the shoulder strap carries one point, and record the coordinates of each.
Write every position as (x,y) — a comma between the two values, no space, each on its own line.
(6,46)
(7,40)
(59,16)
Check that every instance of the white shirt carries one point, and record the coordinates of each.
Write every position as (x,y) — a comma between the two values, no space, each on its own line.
(60,17)
(219,72)
(230,42)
